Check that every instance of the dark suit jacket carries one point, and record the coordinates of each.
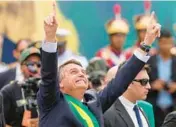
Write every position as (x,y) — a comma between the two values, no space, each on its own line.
(2,120)
(12,112)
(152,96)
(170,120)
(7,76)
(117,116)
(54,109)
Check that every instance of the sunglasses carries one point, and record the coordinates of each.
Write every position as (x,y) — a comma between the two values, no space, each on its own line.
(30,63)
(143,82)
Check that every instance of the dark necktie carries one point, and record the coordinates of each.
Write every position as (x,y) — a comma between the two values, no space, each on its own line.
(139,120)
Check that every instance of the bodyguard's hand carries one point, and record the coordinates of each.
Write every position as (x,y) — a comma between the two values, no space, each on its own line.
(50,25)
(153,31)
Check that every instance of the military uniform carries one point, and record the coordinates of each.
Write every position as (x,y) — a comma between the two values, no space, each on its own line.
(140,23)
(108,53)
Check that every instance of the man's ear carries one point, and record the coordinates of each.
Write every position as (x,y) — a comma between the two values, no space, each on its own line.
(61,85)
(129,87)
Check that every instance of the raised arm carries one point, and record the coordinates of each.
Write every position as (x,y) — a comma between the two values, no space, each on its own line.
(128,72)
(49,89)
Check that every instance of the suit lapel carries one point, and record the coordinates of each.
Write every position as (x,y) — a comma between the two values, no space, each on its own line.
(123,113)
(145,116)
(93,103)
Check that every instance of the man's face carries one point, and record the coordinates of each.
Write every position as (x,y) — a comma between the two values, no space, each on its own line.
(139,90)
(31,67)
(117,40)
(23,45)
(141,34)
(73,77)
(165,44)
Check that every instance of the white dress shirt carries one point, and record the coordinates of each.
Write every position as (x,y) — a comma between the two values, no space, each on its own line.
(129,108)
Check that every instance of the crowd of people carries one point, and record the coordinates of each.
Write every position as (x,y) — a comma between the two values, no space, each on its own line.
(50,86)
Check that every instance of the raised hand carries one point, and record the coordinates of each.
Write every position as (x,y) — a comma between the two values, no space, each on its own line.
(50,25)
(153,30)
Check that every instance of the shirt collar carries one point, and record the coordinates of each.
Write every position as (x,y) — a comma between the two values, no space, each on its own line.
(126,102)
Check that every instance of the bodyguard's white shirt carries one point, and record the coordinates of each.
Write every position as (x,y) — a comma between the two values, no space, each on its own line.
(129,108)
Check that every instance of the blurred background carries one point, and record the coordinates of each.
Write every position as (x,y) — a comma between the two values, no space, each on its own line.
(85,20)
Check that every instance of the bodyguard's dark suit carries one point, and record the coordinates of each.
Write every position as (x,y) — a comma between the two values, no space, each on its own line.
(117,116)
(7,76)
(55,111)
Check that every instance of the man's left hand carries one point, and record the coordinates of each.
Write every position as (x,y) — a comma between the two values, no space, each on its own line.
(172,87)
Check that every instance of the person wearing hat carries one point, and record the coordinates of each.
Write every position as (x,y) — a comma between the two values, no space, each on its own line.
(14,73)
(14,95)
(96,71)
(65,54)
(140,24)
(117,29)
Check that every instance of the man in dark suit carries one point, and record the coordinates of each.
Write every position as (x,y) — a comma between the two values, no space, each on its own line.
(145,106)
(15,72)
(123,112)
(163,77)
(65,102)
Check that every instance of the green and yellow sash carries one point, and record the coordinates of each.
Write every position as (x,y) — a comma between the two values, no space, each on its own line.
(82,113)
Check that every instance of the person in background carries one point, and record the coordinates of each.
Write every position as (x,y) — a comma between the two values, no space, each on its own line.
(17,104)
(146,107)
(163,77)
(3,66)
(19,47)
(64,54)
(140,23)
(117,29)
(14,73)
(96,71)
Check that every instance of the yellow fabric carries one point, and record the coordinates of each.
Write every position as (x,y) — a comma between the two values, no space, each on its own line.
(24,19)
(84,115)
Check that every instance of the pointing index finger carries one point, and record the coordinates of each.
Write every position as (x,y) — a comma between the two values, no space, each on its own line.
(54,8)
(152,17)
